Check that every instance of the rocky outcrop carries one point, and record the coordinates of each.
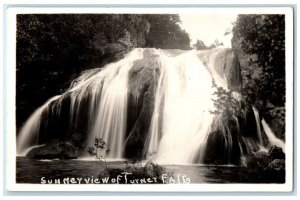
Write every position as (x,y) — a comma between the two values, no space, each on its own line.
(54,150)
(275,117)
(143,79)
(276,153)
(277,164)
(269,167)
(225,64)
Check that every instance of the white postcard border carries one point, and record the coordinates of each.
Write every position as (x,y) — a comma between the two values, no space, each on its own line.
(11,93)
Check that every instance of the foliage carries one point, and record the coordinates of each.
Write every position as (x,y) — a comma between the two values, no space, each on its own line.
(199,45)
(262,169)
(99,151)
(165,32)
(226,103)
(70,39)
(261,40)
(216,44)
(100,143)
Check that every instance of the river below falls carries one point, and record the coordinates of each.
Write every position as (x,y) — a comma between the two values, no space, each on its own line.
(32,171)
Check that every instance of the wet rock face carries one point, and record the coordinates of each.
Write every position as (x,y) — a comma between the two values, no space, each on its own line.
(273,160)
(54,150)
(227,66)
(270,166)
(223,142)
(143,79)
(275,117)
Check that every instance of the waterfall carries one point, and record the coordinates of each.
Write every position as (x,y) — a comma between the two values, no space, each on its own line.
(106,91)
(185,88)
(273,140)
(96,106)
(271,136)
(29,134)
(258,129)
(111,115)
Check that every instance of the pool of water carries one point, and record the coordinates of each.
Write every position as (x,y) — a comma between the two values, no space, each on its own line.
(32,171)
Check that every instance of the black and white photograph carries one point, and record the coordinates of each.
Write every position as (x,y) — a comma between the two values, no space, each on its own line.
(197,98)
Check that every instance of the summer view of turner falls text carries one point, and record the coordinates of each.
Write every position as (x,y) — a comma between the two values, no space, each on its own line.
(142,99)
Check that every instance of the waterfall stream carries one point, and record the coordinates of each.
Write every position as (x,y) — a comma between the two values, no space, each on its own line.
(29,134)
(185,87)
(271,136)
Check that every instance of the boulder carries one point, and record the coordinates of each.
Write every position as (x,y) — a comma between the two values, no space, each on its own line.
(54,150)
(256,163)
(276,153)
(261,170)
(277,164)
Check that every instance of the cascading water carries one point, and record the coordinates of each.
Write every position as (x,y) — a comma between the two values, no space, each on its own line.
(257,119)
(106,91)
(271,136)
(111,116)
(185,88)
(29,134)
(96,106)
(272,139)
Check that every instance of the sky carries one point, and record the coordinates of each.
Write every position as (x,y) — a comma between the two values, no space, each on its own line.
(208,27)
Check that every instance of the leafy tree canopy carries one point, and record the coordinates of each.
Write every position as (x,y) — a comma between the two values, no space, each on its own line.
(199,45)
(261,40)
(165,32)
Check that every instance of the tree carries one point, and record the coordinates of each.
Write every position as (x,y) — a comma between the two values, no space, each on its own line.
(215,44)
(199,45)
(165,32)
(100,150)
(261,40)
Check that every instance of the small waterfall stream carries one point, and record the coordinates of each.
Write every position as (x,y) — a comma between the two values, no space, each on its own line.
(258,129)
(272,139)
(271,136)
